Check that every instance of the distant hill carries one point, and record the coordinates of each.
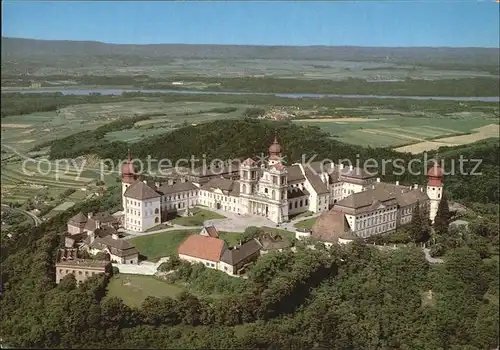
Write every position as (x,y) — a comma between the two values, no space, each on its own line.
(13,48)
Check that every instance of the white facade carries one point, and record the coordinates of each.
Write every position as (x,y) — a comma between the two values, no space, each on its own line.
(194,260)
(435,193)
(141,215)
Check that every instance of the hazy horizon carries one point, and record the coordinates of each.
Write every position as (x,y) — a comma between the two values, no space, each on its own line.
(264,45)
(457,24)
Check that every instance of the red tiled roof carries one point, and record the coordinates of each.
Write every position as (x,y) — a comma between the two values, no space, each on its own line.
(202,247)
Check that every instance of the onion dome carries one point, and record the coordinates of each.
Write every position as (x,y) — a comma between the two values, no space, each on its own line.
(275,148)
(128,172)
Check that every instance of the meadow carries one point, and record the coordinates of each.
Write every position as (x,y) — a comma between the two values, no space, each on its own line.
(133,289)
(390,128)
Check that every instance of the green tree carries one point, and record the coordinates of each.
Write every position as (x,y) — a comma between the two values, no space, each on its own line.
(442,219)
(251,232)
(416,224)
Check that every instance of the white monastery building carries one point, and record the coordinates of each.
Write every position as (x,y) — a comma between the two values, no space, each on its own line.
(353,201)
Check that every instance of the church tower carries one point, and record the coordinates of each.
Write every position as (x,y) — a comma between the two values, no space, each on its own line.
(249,177)
(128,173)
(434,188)
(275,152)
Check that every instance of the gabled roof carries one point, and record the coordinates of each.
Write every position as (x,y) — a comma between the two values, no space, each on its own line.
(119,247)
(356,172)
(249,161)
(240,253)
(104,217)
(212,231)
(330,226)
(315,181)
(90,225)
(202,247)
(294,174)
(232,187)
(296,192)
(78,219)
(140,191)
(178,187)
(382,194)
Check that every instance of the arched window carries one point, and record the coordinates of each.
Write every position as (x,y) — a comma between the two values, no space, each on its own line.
(244,188)
(156,211)
(156,220)
(273,194)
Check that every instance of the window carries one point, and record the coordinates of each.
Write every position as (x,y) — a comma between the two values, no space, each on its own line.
(290,206)
(295,204)
(79,272)
(131,261)
(265,190)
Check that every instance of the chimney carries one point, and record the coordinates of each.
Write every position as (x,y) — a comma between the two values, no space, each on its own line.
(157,184)
(145,182)
(332,165)
(115,236)
(341,166)
(97,224)
(397,183)
(415,186)
(378,179)
(373,187)
(350,167)
(90,214)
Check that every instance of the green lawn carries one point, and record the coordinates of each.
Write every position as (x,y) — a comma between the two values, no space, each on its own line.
(200,215)
(160,244)
(133,289)
(308,223)
(233,238)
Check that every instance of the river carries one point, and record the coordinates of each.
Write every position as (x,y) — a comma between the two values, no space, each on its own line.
(285,95)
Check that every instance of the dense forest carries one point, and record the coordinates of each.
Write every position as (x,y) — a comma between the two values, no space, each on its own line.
(242,138)
(345,297)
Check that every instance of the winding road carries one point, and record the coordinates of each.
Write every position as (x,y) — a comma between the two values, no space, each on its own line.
(35,219)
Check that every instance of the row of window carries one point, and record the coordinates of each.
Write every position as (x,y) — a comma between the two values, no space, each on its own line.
(218,196)
(299,203)
(87,273)
(377,230)
(181,196)
(146,212)
(375,220)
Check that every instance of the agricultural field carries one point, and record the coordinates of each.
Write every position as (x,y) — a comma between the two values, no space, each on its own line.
(282,68)
(484,132)
(23,132)
(393,128)
(21,182)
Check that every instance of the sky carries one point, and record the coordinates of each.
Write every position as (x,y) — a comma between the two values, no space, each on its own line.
(469,23)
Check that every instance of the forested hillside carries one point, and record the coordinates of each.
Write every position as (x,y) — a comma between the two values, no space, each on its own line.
(444,57)
(232,139)
(354,297)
